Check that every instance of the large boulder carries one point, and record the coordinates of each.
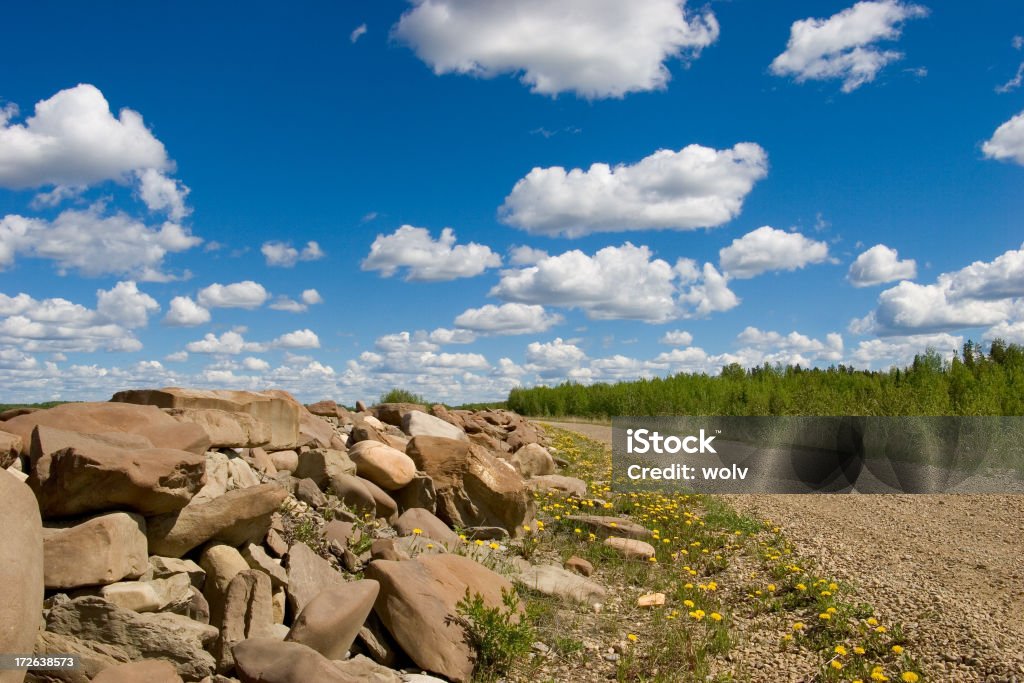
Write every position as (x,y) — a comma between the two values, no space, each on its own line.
(393,413)
(21,571)
(308,574)
(330,622)
(266,660)
(155,595)
(532,460)
(149,670)
(158,428)
(95,551)
(473,487)
(224,473)
(385,466)
(561,583)
(74,473)
(415,423)
(320,464)
(225,429)
(235,518)
(93,657)
(278,411)
(417,604)
(248,613)
(353,493)
(172,637)
(222,563)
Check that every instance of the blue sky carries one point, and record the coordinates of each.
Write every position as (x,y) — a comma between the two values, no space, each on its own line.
(249,199)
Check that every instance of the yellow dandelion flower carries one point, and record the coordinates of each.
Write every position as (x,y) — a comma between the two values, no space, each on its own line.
(824,616)
(688,604)
(715,616)
(898,649)
(836,664)
(771,587)
(632,638)
(839,650)
(577,531)
(872,621)
(478,542)
(799,626)
(417,532)
(880,629)
(493,546)
(909,677)
(858,650)
(801,587)
(697,614)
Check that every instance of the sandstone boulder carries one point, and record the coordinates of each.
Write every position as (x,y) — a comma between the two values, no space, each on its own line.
(266,660)
(417,521)
(173,593)
(320,464)
(559,484)
(248,613)
(473,487)
(579,565)
(308,574)
(603,527)
(385,466)
(419,493)
(532,460)
(235,518)
(415,423)
(95,551)
(285,461)
(225,429)
(393,413)
(630,548)
(330,622)
(417,605)
(257,558)
(165,567)
(353,493)
(158,428)
(172,637)
(222,563)
(93,657)
(278,411)
(224,473)
(21,571)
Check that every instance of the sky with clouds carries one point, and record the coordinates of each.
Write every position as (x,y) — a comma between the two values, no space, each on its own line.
(463,196)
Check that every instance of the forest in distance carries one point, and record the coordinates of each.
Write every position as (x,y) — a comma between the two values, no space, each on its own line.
(976,381)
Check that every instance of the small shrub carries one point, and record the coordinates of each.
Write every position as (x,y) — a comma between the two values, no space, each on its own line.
(499,634)
(398,395)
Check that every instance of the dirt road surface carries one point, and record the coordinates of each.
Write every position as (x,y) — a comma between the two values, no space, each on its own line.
(949,567)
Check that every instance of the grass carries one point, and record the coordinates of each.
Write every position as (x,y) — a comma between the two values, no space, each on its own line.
(718,569)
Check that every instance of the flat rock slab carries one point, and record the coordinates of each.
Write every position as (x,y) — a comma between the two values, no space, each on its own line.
(160,429)
(308,574)
(74,474)
(417,423)
(630,548)
(172,637)
(148,670)
(611,526)
(225,429)
(559,484)
(266,660)
(237,517)
(96,551)
(560,583)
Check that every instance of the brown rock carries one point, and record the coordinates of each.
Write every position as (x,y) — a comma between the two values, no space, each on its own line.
(330,622)
(579,565)
(353,493)
(94,551)
(158,428)
(360,407)
(149,670)
(235,518)
(415,423)
(278,411)
(21,571)
(309,493)
(473,487)
(93,657)
(320,464)
(560,484)
(532,460)
(326,408)
(418,493)
(427,524)
(266,660)
(392,413)
(603,527)
(257,558)
(337,531)
(363,430)
(225,429)
(285,461)
(222,563)
(74,473)
(385,466)
(262,462)
(385,506)
(308,574)
(387,549)
(417,604)
(248,613)
(630,548)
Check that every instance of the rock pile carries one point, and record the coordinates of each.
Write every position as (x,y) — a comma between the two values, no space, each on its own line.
(179,534)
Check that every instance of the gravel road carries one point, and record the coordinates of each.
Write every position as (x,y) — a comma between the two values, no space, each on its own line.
(949,567)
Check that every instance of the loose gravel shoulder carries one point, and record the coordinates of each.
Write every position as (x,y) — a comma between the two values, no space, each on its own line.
(950,567)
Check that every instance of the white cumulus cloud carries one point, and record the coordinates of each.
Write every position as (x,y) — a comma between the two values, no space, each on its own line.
(1007,143)
(229,343)
(426,259)
(507,319)
(880,264)
(843,46)
(184,312)
(767,249)
(125,304)
(284,255)
(696,187)
(245,294)
(299,339)
(595,48)
(676,338)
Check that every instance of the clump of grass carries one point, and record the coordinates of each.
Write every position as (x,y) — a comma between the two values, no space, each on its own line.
(500,635)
